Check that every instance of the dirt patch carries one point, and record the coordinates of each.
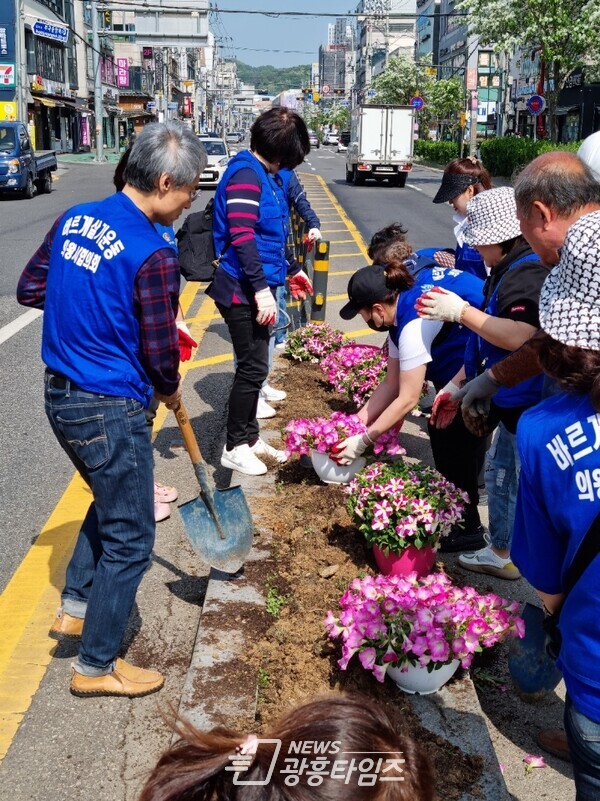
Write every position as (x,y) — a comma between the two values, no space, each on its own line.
(316,552)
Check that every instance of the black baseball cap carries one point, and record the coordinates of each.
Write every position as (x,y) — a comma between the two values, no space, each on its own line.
(454,184)
(366,287)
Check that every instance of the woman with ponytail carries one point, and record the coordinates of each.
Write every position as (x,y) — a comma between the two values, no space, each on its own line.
(558,502)
(329,749)
(384,295)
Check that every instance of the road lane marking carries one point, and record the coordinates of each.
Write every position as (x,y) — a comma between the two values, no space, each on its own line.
(10,329)
(29,601)
(354,232)
(416,188)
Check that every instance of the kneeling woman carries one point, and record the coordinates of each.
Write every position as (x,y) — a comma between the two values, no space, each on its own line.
(385,295)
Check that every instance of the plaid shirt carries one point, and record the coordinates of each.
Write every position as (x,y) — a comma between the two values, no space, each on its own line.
(156,289)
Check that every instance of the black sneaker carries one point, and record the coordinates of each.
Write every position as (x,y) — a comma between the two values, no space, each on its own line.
(461,540)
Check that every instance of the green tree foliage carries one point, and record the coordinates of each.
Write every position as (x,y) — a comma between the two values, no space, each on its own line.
(397,83)
(567,32)
(273,80)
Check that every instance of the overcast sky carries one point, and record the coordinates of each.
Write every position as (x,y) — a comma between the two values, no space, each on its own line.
(248,35)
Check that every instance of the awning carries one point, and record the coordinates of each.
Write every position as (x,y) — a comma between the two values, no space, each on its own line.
(562,111)
(50,103)
(132,113)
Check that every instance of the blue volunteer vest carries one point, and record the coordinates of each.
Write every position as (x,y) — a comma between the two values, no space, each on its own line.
(480,355)
(448,347)
(270,231)
(90,332)
(469,260)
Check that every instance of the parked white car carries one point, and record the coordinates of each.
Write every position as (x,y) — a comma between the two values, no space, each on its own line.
(331,139)
(218,154)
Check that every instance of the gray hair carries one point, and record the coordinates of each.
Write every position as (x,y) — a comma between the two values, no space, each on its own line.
(165,147)
(560,180)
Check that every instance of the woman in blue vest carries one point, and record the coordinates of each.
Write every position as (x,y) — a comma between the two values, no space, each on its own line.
(384,295)
(463,179)
(249,232)
(559,487)
(506,319)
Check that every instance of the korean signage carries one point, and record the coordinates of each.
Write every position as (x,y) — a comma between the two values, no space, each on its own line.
(147,52)
(7,42)
(122,72)
(51,30)
(187,106)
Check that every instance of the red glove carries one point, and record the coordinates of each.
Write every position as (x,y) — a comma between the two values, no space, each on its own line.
(186,343)
(444,406)
(300,285)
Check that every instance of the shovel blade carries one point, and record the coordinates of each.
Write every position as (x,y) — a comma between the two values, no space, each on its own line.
(227,554)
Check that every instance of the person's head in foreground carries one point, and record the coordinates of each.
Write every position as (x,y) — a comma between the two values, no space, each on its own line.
(387,242)
(353,739)
(279,139)
(570,312)
(463,179)
(162,170)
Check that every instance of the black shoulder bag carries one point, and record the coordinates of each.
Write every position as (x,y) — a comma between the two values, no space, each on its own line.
(585,555)
(197,257)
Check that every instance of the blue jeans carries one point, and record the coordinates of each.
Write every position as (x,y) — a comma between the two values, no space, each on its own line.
(583,736)
(501,482)
(280,334)
(108,441)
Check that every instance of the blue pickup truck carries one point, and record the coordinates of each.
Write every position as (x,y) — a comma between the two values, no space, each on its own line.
(21,169)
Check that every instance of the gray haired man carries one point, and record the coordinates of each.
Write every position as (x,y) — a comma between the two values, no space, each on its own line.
(109,288)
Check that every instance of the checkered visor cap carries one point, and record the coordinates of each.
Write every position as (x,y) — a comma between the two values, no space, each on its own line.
(570,296)
(492,217)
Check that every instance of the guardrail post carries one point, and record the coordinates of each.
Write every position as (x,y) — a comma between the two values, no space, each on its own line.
(320,279)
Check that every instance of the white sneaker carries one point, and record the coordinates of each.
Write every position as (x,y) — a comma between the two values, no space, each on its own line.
(263,410)
(486,561)
(262,448)
(243,460)
(271,394)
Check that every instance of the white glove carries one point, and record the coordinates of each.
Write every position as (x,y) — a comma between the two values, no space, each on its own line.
(313,234)
(476,395)
(445,406)
(348,450)
(439,304)
(267,307)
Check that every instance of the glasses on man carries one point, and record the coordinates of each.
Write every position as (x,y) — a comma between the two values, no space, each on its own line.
(194,194)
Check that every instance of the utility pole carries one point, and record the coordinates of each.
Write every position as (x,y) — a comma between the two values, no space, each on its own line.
(473,128)
(98,109)
(20,93)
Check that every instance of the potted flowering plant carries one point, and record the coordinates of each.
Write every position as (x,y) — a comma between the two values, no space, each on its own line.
(418,630)
(317,436)
(312,342)
(402,510)
(355,370)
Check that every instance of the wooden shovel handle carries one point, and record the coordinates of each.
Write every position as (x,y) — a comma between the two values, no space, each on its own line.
(187,432)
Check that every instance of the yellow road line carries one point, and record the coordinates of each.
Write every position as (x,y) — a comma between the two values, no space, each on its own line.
(354,232)
(344,255)
(340,241)
(342,272)
(29,602)
(225,357)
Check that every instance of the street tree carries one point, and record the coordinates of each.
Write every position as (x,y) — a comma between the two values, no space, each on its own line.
(397,83)
(566,32)
(444,100)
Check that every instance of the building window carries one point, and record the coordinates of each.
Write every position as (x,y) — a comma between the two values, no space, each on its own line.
(50,60)
(55,5)
(30,50)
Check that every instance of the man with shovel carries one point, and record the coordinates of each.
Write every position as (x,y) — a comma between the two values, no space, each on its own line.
(110,289)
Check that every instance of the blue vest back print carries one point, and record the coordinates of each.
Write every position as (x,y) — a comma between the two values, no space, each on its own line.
(270,231)
(480,355)
(91,333)
(447,352)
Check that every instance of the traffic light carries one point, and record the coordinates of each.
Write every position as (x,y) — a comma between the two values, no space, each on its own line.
(339,91)
(463,119)
(107,19)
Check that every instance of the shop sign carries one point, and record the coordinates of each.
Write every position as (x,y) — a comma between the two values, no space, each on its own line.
(7,76)
(7,41)
(123,72)
(51,30)
(8,112)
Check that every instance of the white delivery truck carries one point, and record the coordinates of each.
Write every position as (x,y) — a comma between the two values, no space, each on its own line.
(381,144)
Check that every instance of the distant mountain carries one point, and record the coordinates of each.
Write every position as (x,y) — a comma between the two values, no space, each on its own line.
(273,80)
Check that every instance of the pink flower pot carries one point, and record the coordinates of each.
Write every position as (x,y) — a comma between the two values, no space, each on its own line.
(410,560)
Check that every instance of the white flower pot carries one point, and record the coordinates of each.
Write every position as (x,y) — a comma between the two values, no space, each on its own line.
(332,473)
(417,679)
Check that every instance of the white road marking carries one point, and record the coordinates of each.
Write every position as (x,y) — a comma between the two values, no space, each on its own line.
(8,331)
(416,188)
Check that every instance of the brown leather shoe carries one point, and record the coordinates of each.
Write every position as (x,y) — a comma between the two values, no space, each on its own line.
(66,627)
(126,680)
(554,741)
